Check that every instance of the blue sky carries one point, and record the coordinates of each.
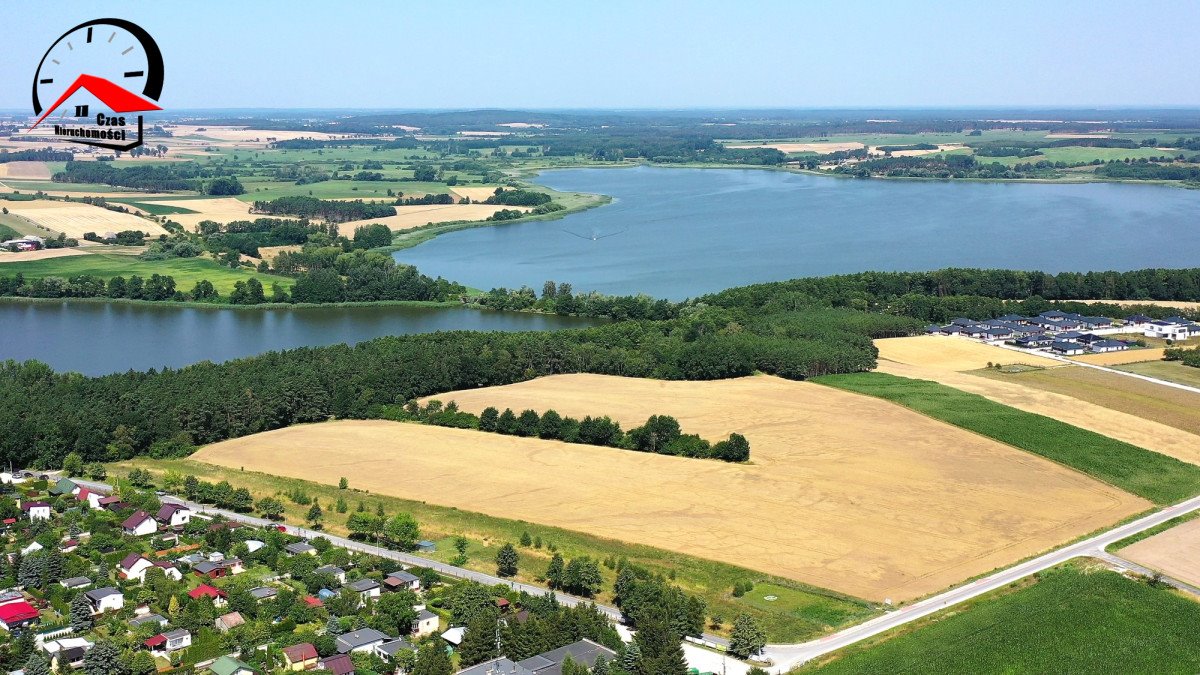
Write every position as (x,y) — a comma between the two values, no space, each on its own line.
(630,54)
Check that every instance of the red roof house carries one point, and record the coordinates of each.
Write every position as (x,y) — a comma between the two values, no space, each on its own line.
(17,614)
(156,641)
(313,602)
(205,591)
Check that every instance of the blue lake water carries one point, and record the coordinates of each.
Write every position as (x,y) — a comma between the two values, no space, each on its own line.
(677,233)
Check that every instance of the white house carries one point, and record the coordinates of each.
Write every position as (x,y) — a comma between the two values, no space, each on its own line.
(1172,328)
(92,498)
(105,599)
(174,515)
(134,566)
(367,589)
(36,510)
(139,524)
(401,580)
(426,622)
(66,651)
(164,644)
(364,640)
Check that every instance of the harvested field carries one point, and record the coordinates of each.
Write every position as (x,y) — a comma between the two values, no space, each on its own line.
(1171,371)
(1177,304)
(1121,358)
(29,170)
(846,492)
(819,148)
(43,254)
(476,194)
(942,147)
(408,217)
(220,209)
(1066,402)
(269,253)
(1175,552)
(1167,405)
(75,219)
(951,353)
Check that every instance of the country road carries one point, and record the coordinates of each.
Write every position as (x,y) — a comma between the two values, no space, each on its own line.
(784,657)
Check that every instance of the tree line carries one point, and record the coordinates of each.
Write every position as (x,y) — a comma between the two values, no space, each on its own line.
(661,434)
(154,177)
(325,209)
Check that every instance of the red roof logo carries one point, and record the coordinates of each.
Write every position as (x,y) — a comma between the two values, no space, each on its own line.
(118,99)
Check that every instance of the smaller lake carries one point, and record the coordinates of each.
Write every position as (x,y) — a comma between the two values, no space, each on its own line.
(100,338)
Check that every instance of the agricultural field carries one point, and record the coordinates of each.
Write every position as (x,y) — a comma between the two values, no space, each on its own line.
(1157,477)
(25,170)
(942,352)
(1166,405)
(75,219)
(220,209)
(1121,358)
(1075,619)
(1174,552)
(827,511)
(804,612)
(1172,371)
(43,254)
(186,271)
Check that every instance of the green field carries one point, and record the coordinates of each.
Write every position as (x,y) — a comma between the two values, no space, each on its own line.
(265,189)
(1072,620)
(1171,371)
(186,271)
(1076,154)
(802,613)
(1156,477)
(151,207)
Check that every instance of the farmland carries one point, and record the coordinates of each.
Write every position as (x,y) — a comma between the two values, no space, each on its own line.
(186,271)
(1073,619)
(825,512)
(1157,477)
(1172,371)
(942,352)
(1174,552)
(1166,405)
(74,219)
(805,612)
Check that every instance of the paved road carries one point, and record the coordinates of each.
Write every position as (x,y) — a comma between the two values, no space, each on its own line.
(1119,562)
(786,657)
(1085,364)
(783,656)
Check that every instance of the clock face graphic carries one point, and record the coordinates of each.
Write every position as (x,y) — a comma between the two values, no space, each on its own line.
(112,49)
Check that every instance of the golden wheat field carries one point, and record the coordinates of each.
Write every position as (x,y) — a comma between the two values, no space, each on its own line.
(1175,552)
(844,491)
(74,219)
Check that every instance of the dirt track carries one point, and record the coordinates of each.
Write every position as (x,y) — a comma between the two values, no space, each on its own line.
(845,491)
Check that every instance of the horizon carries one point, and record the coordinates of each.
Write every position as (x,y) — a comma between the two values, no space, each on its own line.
(767,56)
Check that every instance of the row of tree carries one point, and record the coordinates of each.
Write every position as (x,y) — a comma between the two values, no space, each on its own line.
(324,209)
(660,434)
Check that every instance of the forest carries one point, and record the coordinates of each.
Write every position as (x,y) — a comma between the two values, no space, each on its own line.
(155,177)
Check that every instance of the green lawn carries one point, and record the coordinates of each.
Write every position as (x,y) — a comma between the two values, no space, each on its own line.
(186,271)
(1171,371)
(803,613)
(1156,477)
(1073,620)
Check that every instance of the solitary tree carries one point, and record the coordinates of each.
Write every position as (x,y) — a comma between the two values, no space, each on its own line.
(81,614)
(315,514)
(270,507)
(103,659)
(506,561)
(554,573)
(73,464)
(747,637)
(37,664)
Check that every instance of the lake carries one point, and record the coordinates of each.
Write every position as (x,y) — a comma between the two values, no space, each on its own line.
(677,233)
(98,338)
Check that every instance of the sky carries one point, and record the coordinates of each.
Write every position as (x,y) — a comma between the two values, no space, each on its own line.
(641,54)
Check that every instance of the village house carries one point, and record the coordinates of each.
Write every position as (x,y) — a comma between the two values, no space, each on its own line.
(75,582)
(173,515)
(299,548)
(388,650)
(146,619)
(90,497)
(105,599)
(426,622)
(64,486)
(112,503)
(139,524)
(228,665)
(336,572)
(367,589)
(135,565)
(65,652)
(364,640)
(401,580)
(205,591)
(217,570)
(36,510)
(1066,348)
(263,593)
(17,614)
(229,621)
(340,664)
(300,657)
(165,644)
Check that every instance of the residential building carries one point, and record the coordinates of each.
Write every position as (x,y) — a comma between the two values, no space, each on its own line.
(364,640)
(64,486)
(336,572)
(65,652)
(165,644)
(340,664)
(299,548)
(217,570)
(584,653)
(148,619)
(36,510)
(426,623)
(227,665)
(14,615)
(139,524)
(300,657)
(229,621)
(367,589)
(105,599)
(1067,348)
(205,591)
(173,515)
(75,582)
(388,650)
(402,580)
(263,593)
